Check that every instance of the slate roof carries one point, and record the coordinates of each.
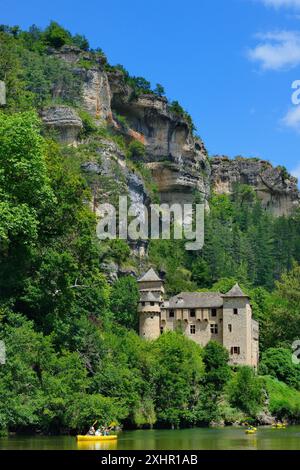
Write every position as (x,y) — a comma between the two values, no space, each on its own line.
(236,291)
(149,276)
(196,300)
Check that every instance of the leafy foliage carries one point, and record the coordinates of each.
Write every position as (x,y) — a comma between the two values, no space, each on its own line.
(72,353)
(277,362)
(124,302)
(246,391)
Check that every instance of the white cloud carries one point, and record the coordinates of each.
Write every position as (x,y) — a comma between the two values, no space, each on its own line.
(292,119)
(277,50)
(282,3)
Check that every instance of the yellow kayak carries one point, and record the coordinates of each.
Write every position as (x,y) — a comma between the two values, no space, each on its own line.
(251,431)
(97,438)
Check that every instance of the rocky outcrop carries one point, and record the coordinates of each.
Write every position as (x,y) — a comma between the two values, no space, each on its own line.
(109,176)
(276,189)
(64,121)
(96,95)
(177,159)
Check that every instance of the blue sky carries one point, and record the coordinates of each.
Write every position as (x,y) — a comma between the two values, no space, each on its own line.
(230,63)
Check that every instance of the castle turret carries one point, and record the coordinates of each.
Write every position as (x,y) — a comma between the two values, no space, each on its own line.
(151,289)
(237,327)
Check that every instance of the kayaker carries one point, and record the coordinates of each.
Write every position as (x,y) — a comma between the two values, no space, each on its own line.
(91,431)
(98,432)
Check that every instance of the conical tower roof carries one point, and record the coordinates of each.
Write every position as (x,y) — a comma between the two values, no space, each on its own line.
(236,291)
(150,276)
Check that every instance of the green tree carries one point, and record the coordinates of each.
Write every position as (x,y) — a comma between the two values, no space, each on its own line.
(159,90)
(11,72)
(178,371)
(216,361)
(56,36)
(81,42)
(283,314)
(201,273)
(124,301)
(246,391)
(136,150)
(278,363)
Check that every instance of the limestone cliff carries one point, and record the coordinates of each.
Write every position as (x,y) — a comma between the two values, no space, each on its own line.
(276,189)
(177,160)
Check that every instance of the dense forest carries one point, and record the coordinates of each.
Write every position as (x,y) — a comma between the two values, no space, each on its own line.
(72,349)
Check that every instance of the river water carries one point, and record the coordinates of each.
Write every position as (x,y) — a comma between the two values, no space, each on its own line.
(187,439)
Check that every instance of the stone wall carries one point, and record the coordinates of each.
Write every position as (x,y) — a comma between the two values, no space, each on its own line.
(241,330)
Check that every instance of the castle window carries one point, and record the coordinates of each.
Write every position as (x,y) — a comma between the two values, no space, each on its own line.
(214,329)
(235,350)
(214,312)
(193,313)
(236,311)
(193,329)
(230,328)
(152,304)
(172,314)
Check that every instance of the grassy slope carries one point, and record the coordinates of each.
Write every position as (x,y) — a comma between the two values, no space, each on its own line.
(284,400)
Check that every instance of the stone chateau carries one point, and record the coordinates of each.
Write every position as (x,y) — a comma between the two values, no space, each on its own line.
(203,316)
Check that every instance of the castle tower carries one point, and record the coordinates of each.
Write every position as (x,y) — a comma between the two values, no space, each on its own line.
(151,289)
(237,326)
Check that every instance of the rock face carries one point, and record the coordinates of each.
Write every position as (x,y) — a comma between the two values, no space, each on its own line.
(110,177)
(276,189)
(177,159)
(64,121)
(96,95)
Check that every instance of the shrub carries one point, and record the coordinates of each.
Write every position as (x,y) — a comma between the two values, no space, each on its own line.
(56,36)
(159,90)
(136,150)
(284,402)
(246,391)
(278,363)
(89,126)
(122,121)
